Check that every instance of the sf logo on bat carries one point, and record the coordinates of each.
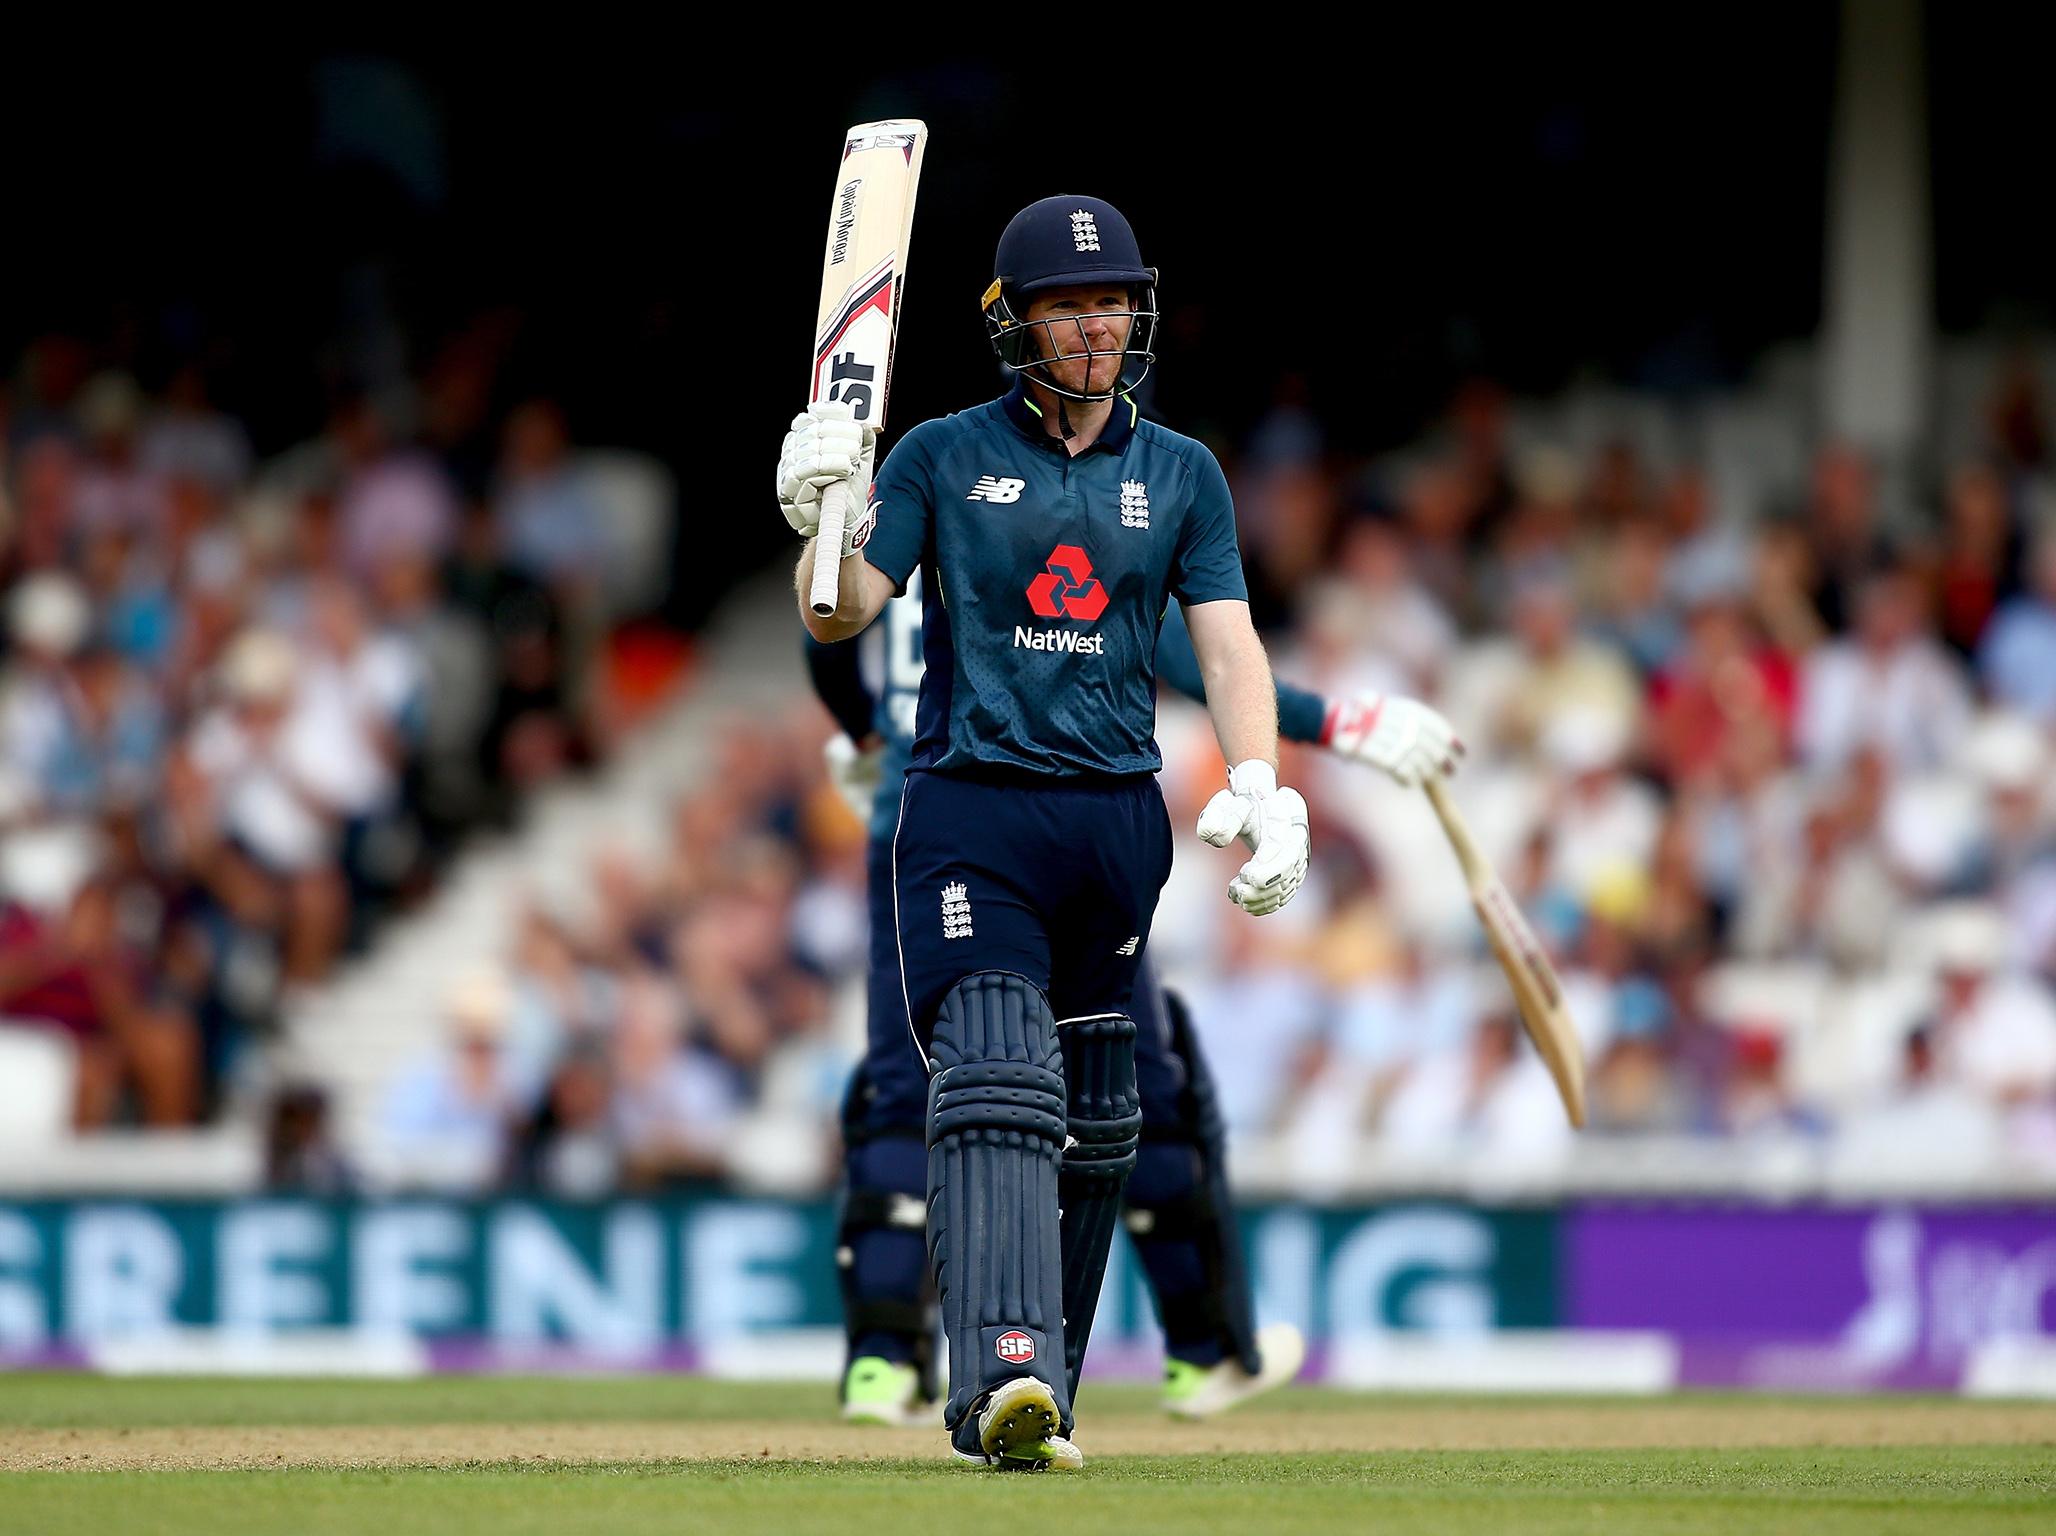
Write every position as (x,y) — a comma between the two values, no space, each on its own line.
(851,382)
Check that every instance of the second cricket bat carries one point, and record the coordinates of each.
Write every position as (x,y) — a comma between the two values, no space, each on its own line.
(869,225)
(1537,993)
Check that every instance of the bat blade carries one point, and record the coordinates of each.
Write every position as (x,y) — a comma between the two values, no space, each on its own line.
(1537,993)
(863,270)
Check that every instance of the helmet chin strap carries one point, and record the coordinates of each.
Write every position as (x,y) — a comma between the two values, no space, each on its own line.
(1064,426)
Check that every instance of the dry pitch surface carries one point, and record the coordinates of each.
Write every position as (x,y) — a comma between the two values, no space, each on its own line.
(629,1455)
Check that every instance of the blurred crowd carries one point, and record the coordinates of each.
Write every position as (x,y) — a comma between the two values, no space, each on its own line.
(691,1019)
(249,703)
(1768,766)
(1770,773)
(1767,761)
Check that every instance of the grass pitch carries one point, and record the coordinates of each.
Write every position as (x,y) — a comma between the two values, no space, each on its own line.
(635,1455)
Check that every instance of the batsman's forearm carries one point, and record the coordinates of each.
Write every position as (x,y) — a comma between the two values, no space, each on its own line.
(1302,713)
(849,617)
(1243,701)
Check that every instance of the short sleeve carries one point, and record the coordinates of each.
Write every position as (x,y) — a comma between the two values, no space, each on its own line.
(1208,567)
(903,496)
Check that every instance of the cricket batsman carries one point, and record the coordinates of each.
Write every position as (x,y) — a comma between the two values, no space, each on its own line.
(1051,529)
(1177,1206)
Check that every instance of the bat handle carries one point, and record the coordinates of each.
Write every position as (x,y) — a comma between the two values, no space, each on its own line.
(823,596)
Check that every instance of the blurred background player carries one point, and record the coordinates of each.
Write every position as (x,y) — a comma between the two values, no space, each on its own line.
(1178,1211)
(1031,810)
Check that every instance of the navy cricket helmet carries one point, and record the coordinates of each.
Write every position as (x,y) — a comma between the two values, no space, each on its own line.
(1061,242)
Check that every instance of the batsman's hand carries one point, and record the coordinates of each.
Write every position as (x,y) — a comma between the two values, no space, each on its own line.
(1404,737)
(825,444)
(855,770)
(1272,822)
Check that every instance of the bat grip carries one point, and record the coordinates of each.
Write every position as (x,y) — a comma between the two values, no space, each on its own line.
(823,595)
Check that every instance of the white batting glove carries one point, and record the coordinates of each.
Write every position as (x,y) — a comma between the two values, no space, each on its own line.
(1272,822)
(1404,737)
(855,771)
(825,444)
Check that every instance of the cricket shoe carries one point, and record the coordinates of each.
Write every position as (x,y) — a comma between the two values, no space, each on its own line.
(1201,1391)
(880,1391)
(1016,1431)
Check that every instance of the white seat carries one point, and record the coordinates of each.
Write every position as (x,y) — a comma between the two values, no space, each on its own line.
(1778,997)
(39,1072)
(1858,1050)
(1931,822)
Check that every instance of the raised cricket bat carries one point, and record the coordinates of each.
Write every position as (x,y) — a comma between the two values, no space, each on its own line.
(868,228)
(1537,994)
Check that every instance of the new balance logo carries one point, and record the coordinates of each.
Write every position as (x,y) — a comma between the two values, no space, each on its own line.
(1129,947)
(1134,504)
(956,911)
(997,488)
(1084,231)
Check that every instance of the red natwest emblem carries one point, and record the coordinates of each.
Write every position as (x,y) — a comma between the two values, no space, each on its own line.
(1067,589)
(1014,1346)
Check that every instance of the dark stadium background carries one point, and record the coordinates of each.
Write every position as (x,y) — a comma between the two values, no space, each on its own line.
(1524,196)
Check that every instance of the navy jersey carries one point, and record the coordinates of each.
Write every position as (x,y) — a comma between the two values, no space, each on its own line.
(1045,577)
(873,690)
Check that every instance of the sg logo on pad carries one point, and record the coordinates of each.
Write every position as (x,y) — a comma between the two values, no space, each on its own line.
(1014,1347)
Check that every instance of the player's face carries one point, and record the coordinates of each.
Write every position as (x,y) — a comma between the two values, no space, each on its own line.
(1085,335)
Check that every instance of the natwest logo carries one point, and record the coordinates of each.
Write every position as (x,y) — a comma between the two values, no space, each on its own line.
(1066,640)
(1068,589)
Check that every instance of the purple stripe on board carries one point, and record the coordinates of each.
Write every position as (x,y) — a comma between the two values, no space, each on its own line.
(1814,1298)
(473,1356)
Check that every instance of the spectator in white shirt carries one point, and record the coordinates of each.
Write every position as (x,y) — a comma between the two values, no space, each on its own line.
(1371,616)
(449,1118)
(1600,818)
(1492,1101)
(358,701)
(1258,1070)
(1508,691)
(1891,686)
(675,1110)
(550,524)
(267,788)
(1927,1130)
(1994,1031)
(189,438)
(114,489)
(48,621)
(2017,656)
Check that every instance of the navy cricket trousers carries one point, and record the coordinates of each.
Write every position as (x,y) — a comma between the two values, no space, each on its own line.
(1053,880)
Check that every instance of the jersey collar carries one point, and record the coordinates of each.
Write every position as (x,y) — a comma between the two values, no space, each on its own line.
(1026,416)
